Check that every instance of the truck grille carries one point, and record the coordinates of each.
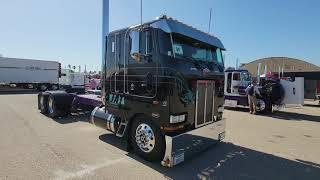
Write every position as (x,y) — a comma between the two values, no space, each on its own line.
(204,102)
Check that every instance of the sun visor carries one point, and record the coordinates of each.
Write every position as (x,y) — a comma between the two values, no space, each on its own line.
(173,26)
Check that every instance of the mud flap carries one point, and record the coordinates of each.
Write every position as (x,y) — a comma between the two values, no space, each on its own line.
(185,146)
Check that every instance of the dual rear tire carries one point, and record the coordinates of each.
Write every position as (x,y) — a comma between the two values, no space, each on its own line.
(49,105)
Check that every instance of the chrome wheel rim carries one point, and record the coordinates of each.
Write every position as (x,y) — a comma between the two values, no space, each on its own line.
(261,105)
(145,138)
(50,106)
(42,102)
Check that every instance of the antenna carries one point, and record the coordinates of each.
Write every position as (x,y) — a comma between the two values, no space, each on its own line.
(237,63)
(210,20)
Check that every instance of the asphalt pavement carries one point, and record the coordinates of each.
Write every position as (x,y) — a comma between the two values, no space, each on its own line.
(32,146)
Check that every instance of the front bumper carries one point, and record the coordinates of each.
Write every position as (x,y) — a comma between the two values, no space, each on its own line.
(184,146)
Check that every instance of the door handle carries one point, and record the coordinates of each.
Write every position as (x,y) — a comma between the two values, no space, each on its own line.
(294,91)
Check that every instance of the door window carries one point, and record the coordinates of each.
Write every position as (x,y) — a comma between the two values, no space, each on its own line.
(236,76)
(229,82)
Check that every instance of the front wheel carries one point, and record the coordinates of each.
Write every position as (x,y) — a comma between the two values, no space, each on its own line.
(146,139)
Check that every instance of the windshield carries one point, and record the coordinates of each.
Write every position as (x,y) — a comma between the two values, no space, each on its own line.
(245,76)
(183,47)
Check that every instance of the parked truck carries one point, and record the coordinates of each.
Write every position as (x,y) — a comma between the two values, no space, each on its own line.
(28,73)
(276,92)
(72,81)
(162,91)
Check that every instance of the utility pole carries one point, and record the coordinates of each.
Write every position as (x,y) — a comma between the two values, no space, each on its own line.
(105,26)
(237,63)
(141,11)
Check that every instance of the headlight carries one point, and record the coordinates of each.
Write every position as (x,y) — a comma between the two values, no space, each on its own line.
(177,118)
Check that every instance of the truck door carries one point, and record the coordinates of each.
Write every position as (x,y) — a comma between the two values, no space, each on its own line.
(116,64)
(142,71)
(228,83)
(294,91)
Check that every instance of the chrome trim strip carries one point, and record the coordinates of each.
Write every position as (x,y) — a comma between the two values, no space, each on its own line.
(213,105)
(205,104)
(196,114)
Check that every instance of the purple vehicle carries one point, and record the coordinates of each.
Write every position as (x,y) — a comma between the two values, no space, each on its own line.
(60,103)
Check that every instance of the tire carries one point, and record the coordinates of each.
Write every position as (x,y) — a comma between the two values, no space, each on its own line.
(43,87)
(261,106)
(154,147)
(43,103)
(267,107)
(54,87)
(52,107)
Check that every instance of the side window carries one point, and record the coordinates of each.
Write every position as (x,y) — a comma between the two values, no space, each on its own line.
(149,44)
(219,56)
(140,44)
(229,82)
(165,44)
(135,44)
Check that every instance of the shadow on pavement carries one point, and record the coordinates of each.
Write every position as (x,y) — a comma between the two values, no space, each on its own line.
(312,105)
(241,109)
(115,141)
(283,115)
(294,116)
(229,161)
(17,91)
(75,117)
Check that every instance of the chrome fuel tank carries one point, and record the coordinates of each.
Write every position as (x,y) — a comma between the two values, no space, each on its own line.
(101,118)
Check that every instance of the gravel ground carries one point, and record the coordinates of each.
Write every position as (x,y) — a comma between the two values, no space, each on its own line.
(33,146)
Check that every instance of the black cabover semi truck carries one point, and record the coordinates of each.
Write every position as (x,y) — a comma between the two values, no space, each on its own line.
(162,90)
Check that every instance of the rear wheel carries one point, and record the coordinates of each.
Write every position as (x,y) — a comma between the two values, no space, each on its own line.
(43,87)
(43,101)
(55,87)
(146,139)
(52,107)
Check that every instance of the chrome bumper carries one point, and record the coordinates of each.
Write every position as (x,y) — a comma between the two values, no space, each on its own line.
(184,146)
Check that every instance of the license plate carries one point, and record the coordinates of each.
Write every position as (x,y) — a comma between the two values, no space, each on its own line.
(230,103)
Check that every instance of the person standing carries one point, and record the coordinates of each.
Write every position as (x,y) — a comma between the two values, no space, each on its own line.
(252,92)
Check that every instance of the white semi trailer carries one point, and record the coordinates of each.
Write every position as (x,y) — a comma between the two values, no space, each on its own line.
(29,73)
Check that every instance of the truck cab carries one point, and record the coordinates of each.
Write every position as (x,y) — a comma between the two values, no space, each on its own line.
(163,76)
(162,91)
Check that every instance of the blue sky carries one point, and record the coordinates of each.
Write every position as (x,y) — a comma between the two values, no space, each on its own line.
(70,30)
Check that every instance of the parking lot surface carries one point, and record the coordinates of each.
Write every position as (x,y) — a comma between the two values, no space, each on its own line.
(285,145)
